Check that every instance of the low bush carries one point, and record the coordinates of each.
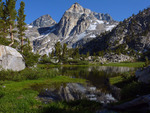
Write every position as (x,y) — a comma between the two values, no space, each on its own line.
(134,89)
(27,74)
(77,62)
(130,87)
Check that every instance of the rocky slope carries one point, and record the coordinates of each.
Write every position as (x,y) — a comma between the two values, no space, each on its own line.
(77,26)
(43,21)
(133,33)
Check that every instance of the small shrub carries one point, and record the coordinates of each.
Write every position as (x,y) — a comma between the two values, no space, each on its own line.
(1,92)
(27,74)
(30,58)
(134,89)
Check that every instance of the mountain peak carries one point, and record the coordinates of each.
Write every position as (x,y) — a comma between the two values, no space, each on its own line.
(43,21)
(76,5)
(76,8)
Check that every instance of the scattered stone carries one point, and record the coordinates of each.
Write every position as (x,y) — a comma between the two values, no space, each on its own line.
(4,86)
(111,57)
(118,58)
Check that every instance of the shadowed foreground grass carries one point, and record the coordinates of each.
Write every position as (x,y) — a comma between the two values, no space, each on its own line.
(19,97)
(17,94)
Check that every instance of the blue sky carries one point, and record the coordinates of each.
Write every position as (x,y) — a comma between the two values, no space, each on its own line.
(118,9)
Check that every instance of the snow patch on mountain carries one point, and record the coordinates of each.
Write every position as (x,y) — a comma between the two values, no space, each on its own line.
(81,36)
(92,27)
(109,28)
(100,21)
(93,36)
(29,26)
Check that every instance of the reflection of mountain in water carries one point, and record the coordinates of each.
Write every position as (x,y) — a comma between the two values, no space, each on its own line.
(96,75)
(97,87)
(111,69)
(75,91)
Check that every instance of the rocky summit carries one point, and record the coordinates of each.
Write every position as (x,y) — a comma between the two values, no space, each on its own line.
(77,27)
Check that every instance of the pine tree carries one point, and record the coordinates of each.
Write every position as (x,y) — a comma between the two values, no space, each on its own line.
(76,54)
(146,62)
(52,54)
(3,24)
(88,54)
(101,53)
(94,54)
(3,20)
(58,50)
(30,58)
(21,24)
(11,11)
(64,50)
(1,13)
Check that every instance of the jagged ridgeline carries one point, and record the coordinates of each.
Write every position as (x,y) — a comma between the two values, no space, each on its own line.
(77,26)
(133,34)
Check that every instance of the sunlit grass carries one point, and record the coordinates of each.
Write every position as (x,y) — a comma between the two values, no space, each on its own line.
(126,64)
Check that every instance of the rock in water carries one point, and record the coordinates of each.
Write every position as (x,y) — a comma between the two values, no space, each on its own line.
(143,75)
(11,59)
(138,105)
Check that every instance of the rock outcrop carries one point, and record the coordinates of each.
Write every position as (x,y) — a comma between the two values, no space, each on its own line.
(43,21)
(10,59)
(111,57)
(118,58)
(143,75)
(138,105)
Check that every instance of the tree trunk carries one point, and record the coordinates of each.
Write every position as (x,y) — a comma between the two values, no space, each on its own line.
(22,44)
(11,35)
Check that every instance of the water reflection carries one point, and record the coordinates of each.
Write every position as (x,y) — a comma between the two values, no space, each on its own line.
(111,69)
(97,88)
(96,75)
(75,91)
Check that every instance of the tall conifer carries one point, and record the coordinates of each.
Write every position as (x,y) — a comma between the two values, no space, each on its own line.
(12,14)
(3,23)
(21,24)
(64,50)
(1,15)
(3,20)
